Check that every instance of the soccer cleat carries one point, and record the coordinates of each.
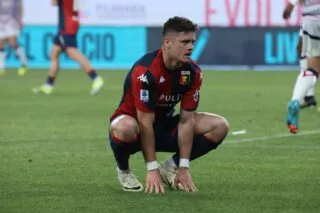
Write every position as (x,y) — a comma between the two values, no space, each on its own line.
(293,116)
(168,174)
(309,101)
(22,70)
(129,182)
(97,84)
(44,89)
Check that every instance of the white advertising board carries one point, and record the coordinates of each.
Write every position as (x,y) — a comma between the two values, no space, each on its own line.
(156,12)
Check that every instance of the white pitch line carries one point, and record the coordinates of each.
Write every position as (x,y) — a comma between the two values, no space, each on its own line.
(265,138)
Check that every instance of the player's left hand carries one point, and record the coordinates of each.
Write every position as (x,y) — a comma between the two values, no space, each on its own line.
(154,182)
(184,180)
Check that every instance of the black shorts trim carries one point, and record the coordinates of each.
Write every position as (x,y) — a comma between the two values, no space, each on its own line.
(311,36)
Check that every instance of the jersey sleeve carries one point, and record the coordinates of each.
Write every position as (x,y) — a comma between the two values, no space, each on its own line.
(190,99)
(143,89)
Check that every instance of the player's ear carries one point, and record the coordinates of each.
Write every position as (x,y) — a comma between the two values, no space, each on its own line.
(166,42)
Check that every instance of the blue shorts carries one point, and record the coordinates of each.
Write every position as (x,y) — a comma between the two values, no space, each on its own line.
(65,40)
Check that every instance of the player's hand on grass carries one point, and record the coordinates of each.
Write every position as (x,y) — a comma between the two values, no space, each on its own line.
(154,182)
(184,181)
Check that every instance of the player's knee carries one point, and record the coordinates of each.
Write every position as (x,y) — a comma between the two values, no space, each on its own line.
(219,130)
(224,124)
(223,128)
(126,131)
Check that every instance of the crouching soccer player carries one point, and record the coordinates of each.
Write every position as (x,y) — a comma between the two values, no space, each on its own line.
(144,120)
(66,41)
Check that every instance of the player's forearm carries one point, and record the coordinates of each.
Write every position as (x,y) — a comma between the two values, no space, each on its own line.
(147,139)
(185,137)
(148,142)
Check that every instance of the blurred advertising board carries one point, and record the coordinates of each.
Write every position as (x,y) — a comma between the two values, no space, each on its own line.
(120,47)
(228,13)
(242,46)
(105,47)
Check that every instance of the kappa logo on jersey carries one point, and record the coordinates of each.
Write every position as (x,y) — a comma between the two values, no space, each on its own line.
(162,79)
(184,78)
(143,78)
(144,95)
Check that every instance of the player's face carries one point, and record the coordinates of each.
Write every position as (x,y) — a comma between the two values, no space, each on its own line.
(181,46)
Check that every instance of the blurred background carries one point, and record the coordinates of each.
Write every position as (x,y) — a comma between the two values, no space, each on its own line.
(235,34)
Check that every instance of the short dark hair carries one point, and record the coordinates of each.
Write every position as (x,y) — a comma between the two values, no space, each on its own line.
(178,24)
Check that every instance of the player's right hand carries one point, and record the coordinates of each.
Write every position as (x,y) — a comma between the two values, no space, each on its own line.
(154,182)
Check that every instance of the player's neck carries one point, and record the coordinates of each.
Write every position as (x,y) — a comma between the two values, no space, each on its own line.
(169,63)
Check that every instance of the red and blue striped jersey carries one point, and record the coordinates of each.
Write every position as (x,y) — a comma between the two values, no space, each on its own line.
(150,87)
(68,16)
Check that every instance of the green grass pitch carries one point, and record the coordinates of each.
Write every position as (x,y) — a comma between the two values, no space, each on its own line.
(54,157)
